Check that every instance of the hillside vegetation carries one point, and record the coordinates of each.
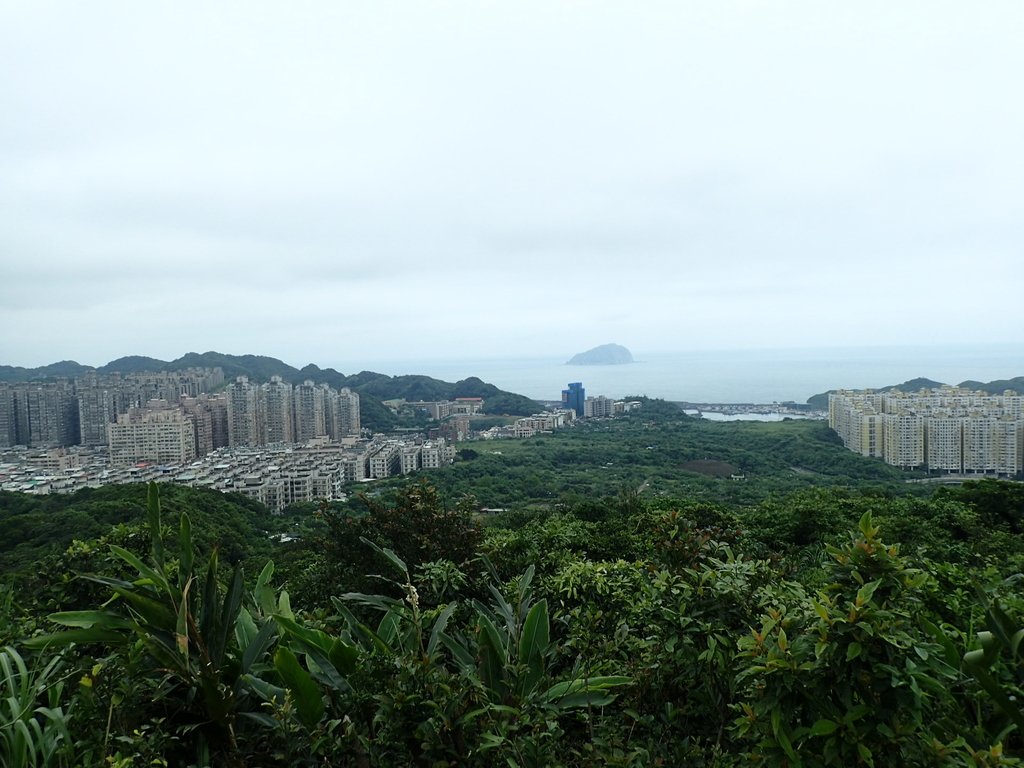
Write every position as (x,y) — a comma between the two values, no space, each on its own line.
(831,616)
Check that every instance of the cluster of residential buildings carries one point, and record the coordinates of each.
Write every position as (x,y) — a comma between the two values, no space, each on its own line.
(948,430)
(574,399)
(275,442)
(276,475)
(78,411)
(575,405)
(172,417)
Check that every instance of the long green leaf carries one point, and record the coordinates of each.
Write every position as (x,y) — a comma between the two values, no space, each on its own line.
(155,529)
(313,637)
(583,684)
(993,689)
(344,656)
(394,559)
(533,645)
(308,701)
(187,551)
(359,631)
(263,593)
(146,572)
(181,628)
(259,645)
(153,612)
(462,656)
(62,639)
(209,611)
(318,647)
(505,610)
(439,626)
(492,659)
(218,644)
(87,619)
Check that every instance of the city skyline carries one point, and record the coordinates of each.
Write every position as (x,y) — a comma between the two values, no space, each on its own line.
(344,181)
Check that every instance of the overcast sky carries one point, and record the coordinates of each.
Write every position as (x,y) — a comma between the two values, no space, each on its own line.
(340,182)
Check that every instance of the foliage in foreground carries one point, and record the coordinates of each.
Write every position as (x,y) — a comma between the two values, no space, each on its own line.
(613,633)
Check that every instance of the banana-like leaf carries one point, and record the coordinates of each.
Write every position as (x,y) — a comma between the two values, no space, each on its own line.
(462,656)
(87,619)
(567,688)
(266,691)
(380,602)
(388,629)
(245,629)
(152,611)
(993,689)
(585,699)
(146,572)
(90,635)
(155,530)
(366,637)
(493,658)
(344,656)
(218,644)
(209,613)
(259,645)
(263,593)
(505,610)
(313,637)
(484,610)
(182,626)
(533,646)
(187,552)
(308,702)
(318,647)
(439,626)
(394,559)
(949,652)
(524,589)
(284,605)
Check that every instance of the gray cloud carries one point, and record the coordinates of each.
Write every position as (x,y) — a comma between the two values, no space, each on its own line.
(356,180)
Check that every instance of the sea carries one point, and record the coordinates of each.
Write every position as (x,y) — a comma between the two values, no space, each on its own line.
(760,376)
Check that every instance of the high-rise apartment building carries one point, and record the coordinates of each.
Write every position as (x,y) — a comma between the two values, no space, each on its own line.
(950,429)
(160,434)
(574,398)
(310,411)
(8,417)
(209,416)
(245,422)
(596,407)
(51,411)
(278,412)
(98,407)
(343,413)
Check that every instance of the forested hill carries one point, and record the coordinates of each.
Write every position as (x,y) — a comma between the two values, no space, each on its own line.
(39,526)
(997,387)
(372,387)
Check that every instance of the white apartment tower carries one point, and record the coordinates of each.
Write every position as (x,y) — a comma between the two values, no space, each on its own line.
(278,409)
(245,421)
(158,434)
(951,430)
(310,411)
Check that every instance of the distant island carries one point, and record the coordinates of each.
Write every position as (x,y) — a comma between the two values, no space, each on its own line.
(606,354)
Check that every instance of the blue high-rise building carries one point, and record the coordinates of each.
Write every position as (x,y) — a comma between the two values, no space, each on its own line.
(573,398)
